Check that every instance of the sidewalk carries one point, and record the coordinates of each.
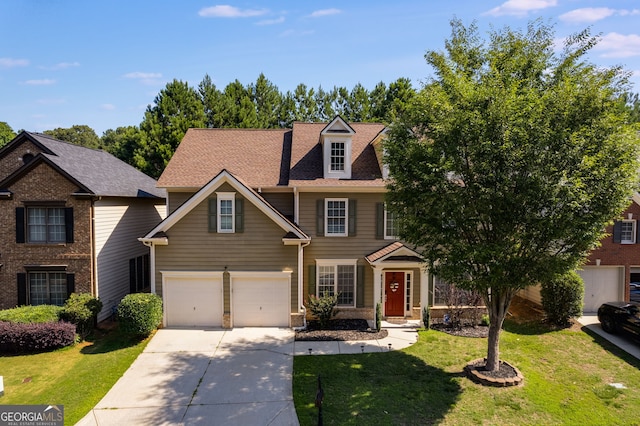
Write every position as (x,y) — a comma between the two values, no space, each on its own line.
(400,336)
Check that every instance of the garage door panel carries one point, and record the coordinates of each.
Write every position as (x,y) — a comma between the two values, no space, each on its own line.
(193,301)
(601,285)
(261,302)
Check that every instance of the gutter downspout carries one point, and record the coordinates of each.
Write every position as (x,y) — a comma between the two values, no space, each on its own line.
(301,306)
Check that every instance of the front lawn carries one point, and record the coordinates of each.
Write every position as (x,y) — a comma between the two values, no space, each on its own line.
(76,377)
(567,376)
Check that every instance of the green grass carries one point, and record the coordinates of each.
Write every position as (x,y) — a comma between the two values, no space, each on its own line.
(76,377)
(567,376)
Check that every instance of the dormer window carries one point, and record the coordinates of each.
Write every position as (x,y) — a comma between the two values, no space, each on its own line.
(336,140)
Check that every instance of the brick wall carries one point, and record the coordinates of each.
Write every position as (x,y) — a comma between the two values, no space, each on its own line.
(12,160)
(43,183)
(610,253)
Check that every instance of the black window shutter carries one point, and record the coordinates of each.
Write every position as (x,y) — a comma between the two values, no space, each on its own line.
(20,234)
(22,289)
(132,275)
(71,284)
(68,223)
(617,231)
(139,273)
(380,221)
(239,215)
(637,232)
(147,271)
(213,214)
(312,280)
(360,287)
(353,212)
(320,217)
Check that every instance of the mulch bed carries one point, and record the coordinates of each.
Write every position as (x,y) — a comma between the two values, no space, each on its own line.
(340,329)
(466,331)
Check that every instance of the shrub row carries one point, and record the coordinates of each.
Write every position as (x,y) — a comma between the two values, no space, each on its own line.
(31,314)
(82,310)
(21,337)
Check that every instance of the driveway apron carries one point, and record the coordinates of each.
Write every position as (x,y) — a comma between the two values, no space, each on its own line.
(209,377)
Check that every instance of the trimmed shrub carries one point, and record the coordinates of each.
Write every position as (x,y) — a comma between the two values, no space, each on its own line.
(426,317)
(485,320)
(378,316)
(140,313)
(562,298)
(20,337)
(31,314)
(323,308)
(82,310)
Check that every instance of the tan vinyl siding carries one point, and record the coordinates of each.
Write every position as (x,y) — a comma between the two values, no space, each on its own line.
(259,248)
(282,201)
(355,247)
(118,224)
(176,199)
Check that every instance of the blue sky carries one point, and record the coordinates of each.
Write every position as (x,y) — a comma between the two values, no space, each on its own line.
(100,63)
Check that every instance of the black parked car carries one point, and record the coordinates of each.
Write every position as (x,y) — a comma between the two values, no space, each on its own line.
(620,317)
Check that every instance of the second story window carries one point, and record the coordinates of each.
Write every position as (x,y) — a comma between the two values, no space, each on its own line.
(46,225)
(390,225)
(628,232)
(336,216)
(337,156)
(225,212)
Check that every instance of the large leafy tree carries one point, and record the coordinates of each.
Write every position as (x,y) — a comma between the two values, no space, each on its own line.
(122,142)
(6,133)
(176,108)
(511,161)
(82,135)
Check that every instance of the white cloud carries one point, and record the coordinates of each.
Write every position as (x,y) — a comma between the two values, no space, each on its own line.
(62,66)
(146,78)
(614,45)
(108,107)
(292,33)
(41,82)
(520,7)
(587,14)
(594,14)
(325,12)
(11,62)
(143,75)
(276,21)
(226,11)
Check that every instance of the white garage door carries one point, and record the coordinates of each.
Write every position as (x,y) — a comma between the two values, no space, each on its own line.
(601,284)
(192,300)
(261,300)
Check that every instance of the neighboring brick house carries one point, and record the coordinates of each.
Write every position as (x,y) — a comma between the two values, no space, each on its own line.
(259,220)
(71,217)
(613,265)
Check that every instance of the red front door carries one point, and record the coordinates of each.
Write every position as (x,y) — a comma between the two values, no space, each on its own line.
(394,294)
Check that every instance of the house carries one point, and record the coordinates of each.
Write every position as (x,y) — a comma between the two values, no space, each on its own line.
(71,219)
(613,266)
(259,220)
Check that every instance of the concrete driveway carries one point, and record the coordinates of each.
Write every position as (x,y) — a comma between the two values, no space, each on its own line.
(232,377)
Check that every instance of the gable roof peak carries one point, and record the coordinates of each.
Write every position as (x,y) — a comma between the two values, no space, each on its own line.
(338,125)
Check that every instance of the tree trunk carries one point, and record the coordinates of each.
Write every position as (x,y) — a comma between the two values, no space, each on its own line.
(497,303)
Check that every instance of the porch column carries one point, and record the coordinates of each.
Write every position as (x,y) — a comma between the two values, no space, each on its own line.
(424,289)
(377,286)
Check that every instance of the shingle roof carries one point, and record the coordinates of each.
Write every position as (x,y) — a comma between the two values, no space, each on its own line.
(98,171)
(259,156)
(269,158)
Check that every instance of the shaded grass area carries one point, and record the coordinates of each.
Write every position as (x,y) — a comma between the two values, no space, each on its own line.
(76,377)
(567,376)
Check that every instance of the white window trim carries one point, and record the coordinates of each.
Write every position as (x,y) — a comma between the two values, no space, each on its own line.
(335,263)
(633,232)
(226,196)
(386,236)
(337,174)
(346,218)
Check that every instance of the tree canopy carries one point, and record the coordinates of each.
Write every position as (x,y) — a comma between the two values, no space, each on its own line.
(511,161)
(6,134)
(82,135)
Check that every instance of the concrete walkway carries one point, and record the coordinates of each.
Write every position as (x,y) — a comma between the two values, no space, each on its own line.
(623,342)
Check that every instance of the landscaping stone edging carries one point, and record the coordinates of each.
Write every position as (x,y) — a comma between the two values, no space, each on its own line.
(475,374)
